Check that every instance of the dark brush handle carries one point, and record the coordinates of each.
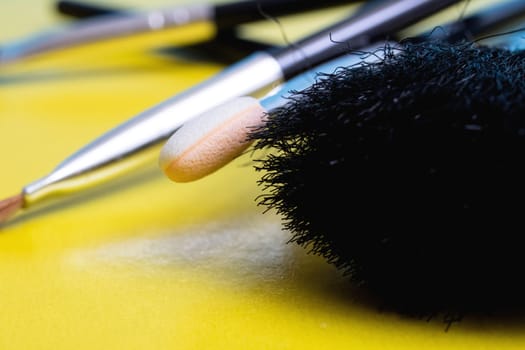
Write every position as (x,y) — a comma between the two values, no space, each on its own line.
(233,13)
(377,23)
(227,15)
(485,20)
(78,9)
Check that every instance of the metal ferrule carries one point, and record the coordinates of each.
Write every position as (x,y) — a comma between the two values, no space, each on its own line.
(105,27)
(131,143)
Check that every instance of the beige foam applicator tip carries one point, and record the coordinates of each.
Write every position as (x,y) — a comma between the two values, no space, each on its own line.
(211,140)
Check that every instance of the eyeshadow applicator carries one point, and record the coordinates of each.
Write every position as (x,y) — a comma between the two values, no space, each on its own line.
(211,140)
(208,142)
(126,145)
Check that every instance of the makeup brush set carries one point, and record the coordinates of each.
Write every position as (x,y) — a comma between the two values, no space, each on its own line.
(397,159)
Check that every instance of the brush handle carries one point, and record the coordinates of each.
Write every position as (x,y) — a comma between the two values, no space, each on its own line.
(226,15)
(135,142)
(380,22)
(123,23)
(231,14)
(104,27)
(80,9)
(479,23)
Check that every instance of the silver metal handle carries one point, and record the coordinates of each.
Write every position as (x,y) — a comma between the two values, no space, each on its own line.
(121,148)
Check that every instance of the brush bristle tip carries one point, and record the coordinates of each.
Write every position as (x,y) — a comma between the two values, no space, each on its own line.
(10,206)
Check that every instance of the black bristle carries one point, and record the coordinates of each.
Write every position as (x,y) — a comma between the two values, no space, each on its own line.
(407,175)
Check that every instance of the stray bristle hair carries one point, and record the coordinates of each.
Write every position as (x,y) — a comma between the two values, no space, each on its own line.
(407,175)
(10,206)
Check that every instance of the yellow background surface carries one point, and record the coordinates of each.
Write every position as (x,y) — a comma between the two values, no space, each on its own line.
(149,264)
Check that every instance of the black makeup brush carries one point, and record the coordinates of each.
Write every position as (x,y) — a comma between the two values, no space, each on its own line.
(406,175)
(377,168)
